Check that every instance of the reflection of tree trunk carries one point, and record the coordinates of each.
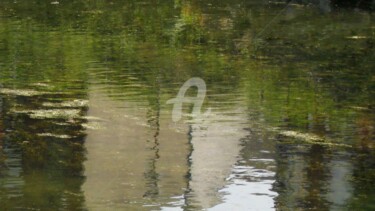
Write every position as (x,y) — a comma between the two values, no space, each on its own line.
(325,5)
(363,165)
(2,156)
(312,177)
(363,178)
(151,174)
(316,178)
(289,178)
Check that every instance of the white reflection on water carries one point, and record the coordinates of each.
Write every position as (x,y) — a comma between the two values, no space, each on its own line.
(245,194)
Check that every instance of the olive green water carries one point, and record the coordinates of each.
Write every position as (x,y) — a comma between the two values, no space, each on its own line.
(84,123)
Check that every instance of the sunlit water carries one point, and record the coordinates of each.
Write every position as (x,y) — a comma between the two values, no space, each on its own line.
(85,124)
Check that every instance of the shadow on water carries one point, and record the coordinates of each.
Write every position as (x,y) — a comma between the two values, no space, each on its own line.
(84,123)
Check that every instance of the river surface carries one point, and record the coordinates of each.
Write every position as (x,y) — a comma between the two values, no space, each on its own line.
(287,121)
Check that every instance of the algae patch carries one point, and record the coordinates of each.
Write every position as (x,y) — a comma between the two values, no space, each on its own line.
(304,136)
(41,85)
(51,113)
(55,135)
(93,126)
(67,104)
(21,92)
(312,139)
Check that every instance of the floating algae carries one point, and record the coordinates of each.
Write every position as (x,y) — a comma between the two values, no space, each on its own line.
(304,136)
(51,113)
(308,137)
(21,92)
(93,118)
(62,123)
(311,138)
(55,113)
(93,126)
(41,85)
(55,135)
(67,104)
(356,37)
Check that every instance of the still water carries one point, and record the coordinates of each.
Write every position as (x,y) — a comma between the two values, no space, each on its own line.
(85,124)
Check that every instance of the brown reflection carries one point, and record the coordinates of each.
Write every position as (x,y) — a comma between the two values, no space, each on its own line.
(316,178)
(135,159)
(363,161)
(2,155)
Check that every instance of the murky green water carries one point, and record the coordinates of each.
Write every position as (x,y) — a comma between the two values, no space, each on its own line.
(84,123)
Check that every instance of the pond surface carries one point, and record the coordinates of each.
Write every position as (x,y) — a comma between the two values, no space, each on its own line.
(85,124)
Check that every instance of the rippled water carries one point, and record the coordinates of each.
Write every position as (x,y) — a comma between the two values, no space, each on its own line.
(85,124)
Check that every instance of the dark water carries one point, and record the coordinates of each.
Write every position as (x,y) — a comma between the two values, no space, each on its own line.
(84,123)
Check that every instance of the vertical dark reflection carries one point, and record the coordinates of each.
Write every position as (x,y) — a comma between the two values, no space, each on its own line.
(2,155)
(188,203)
(153,119)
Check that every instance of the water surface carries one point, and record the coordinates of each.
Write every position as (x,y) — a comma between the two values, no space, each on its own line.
(85,124)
